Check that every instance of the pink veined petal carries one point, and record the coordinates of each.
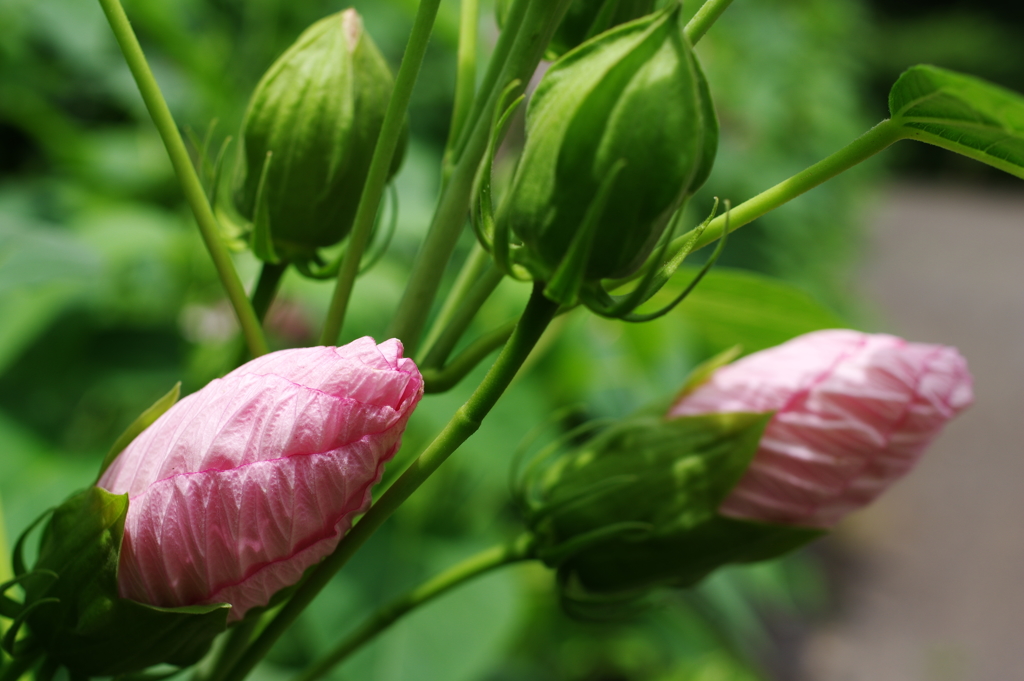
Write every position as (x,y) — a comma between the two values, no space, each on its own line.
(241,486)
(854,412)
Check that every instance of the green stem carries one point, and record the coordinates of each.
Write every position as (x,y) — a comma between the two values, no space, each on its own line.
(266,288)
(191,185)
(495,67)
(861,149)
(495,557)
(542,16)
(538,314)
(238,638)
(437,380)
(472,269)
(462,317)
(377,176)
(465,70)
(705,17)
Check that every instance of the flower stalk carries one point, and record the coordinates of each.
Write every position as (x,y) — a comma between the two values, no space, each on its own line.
(376,178)
(704,19)
(864,147)
(490,559)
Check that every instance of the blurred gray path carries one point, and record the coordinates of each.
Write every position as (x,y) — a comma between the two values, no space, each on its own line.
(937,593)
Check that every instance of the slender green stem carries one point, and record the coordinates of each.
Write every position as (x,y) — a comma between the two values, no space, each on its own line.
(495,67)
(542,16)
(705,17)
(483,562)
(472,269)
(191,185)
(266,288)
(861,149)
(463,317)
(465,70)
(538,314)
(437,380)
(377,176)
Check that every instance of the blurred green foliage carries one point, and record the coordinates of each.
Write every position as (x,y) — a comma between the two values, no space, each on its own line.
(107,299)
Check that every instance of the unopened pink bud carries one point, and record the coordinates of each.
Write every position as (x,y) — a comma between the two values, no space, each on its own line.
(853,413)
(240,487)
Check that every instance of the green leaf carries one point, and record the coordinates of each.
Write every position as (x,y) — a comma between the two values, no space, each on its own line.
(733,307)
(145,420)
(963,114)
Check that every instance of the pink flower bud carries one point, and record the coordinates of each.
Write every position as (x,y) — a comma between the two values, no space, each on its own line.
(853,413)
(240,487)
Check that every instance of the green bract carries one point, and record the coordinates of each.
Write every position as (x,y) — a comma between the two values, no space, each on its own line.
(637,505)
(619,132)
(72,607)
(308,137)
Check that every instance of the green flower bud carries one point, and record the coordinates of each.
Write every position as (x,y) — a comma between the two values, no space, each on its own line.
(625,122)
(309,134)
(72,607)
(637,506)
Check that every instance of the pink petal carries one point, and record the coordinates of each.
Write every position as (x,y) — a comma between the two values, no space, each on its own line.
(854,412)
(240,487)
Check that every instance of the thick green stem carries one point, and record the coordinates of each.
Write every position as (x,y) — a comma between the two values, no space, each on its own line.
(472,269)
(465,70)
(538,314)
(542,16)
(861,149)
(191,185)
(463,317)
(471,568)
(377,177)
(266,288)
(705,17)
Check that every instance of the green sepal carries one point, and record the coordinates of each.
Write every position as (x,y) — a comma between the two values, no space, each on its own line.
(684,557)
(636,507)
(145,420)
(87,628)
(262,241)
(961,113)
(682,469)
